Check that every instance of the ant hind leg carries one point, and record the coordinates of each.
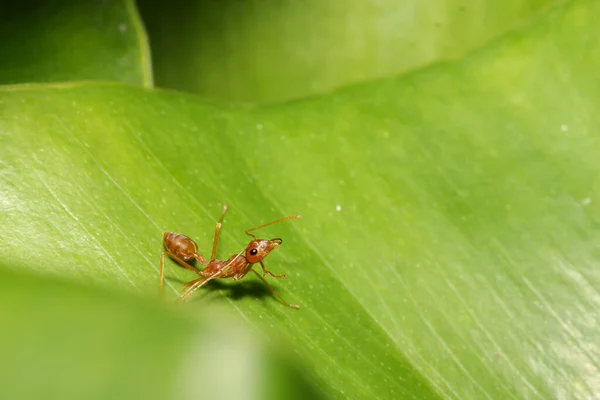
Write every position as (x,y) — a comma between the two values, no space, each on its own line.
(176,259)
(197,284)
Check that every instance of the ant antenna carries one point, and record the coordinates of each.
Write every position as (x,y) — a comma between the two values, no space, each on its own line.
(271,223)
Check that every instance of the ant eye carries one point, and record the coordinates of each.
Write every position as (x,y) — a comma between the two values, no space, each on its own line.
(253,252)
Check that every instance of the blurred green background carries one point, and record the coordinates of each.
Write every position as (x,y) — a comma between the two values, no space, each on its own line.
(444,156)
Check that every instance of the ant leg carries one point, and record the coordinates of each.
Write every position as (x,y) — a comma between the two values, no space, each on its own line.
(217,230)
(190,283)
(178,260)
(181,262)
(201,259)
(274,292)
(269,272)
(197,284)
(221,272)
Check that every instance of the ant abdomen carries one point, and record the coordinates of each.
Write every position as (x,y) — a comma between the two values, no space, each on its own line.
(181,245)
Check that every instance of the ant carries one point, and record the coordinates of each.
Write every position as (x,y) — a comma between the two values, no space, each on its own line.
(182,249)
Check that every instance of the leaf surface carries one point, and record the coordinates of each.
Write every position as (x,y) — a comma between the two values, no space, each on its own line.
(448,245)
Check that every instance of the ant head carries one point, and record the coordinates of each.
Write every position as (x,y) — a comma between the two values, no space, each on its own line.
(258,249)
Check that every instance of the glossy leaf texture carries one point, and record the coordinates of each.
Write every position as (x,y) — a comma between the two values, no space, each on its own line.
(448,245)
(257,51)
(67,40)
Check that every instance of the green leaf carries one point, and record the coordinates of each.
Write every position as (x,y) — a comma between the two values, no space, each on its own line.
(105,184)
(448,244)
(68,341)
(267,51)
(67,40)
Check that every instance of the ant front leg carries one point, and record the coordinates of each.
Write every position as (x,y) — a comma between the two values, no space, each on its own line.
(274,292)
(265,271)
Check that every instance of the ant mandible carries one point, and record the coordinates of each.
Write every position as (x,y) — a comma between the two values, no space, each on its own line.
(182,249)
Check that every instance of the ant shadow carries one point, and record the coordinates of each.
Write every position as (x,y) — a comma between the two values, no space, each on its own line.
(239,290)
(235,290)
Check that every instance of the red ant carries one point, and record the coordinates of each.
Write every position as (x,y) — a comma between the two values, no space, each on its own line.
(182,249)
